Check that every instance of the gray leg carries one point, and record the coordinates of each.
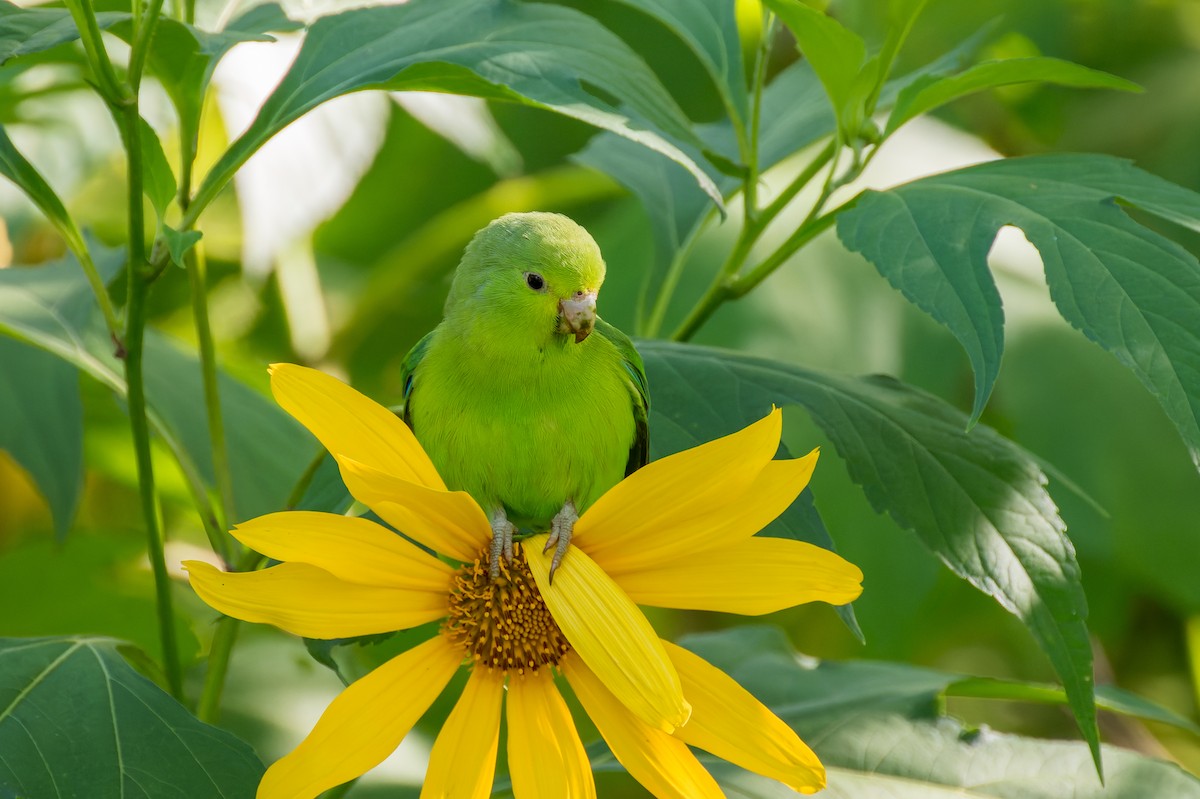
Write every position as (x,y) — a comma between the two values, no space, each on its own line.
(560,535)
(502,541)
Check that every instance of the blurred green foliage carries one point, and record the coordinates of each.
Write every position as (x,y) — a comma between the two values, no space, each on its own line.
(354,292)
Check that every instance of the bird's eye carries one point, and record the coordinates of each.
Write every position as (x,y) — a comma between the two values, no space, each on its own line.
(535,281)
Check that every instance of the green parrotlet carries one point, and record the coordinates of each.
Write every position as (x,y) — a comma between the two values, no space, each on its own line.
(522,396)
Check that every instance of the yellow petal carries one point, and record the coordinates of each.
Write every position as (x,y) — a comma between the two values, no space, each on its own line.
(692,484)
(611,635)
(759,575)
(775,488)
(355,550)
(350,424)
(365,723)
(729,722)
(661,763)
(546,759)
(449,522)
(308,601)
(463,762)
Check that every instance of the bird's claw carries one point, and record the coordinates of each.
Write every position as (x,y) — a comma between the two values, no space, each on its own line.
(560,535)
(502,543)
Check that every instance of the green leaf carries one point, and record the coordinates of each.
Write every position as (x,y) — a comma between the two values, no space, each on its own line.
(31,30)
(933,91)
(179,242)
(837,54)
(975,499)
(1108,697)
(159,181)
(110,594)
(16,168)
(530,53)
(183,57)
(50,308)
(678,422)
(76,720)
(878,730)
(43,425)
(794,115)
(1130,290)
(709,29)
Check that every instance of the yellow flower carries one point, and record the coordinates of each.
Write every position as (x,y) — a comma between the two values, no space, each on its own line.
(679,533)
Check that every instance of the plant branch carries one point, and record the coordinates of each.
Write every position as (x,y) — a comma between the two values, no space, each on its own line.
(114,92)
(195,265)
(135,328)
(143,31)
(209,707)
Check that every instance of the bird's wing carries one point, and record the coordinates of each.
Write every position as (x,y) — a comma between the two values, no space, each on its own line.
(407,369)
(639,395)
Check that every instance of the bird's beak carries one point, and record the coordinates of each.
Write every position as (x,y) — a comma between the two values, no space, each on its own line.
(578,315)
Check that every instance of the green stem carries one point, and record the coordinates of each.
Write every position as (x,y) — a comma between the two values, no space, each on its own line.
(135,328)
(797,185)
(144,29)
(195,265)
(79,247)
(111,88)
(301,488)
(209,708)
(803,235)
(1192,638)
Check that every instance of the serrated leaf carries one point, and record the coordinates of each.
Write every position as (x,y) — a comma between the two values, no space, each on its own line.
(529,53)
(76,720)
(709,29)
(933,91)
(43,425)
(678,422)
(24,31)
(1130,290)
(836,53)
(975,499)
(179,242)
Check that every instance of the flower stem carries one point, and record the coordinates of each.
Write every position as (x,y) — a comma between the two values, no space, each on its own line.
(305,480)
(135,328)
(209,708)
(195,265)
(111,89)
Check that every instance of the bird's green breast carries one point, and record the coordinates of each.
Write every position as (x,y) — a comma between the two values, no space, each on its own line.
(521,426)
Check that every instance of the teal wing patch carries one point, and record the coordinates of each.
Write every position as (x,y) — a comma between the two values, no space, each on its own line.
(639,395)
(407,369)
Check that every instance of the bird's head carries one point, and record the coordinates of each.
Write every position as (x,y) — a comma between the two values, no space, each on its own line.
(533,272)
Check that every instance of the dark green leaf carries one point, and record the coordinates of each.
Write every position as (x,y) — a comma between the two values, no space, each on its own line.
(837,54)
(76,720)
(531,53)
(179,242)
(710,31)
(43,425)
(32,30)
(1132,291)
(933,91)
(678,422)
(975,499)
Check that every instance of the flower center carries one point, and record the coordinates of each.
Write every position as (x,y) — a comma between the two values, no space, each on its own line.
(503,623)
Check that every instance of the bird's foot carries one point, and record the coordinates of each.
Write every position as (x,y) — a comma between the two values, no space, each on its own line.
(560,535)
(502,542)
